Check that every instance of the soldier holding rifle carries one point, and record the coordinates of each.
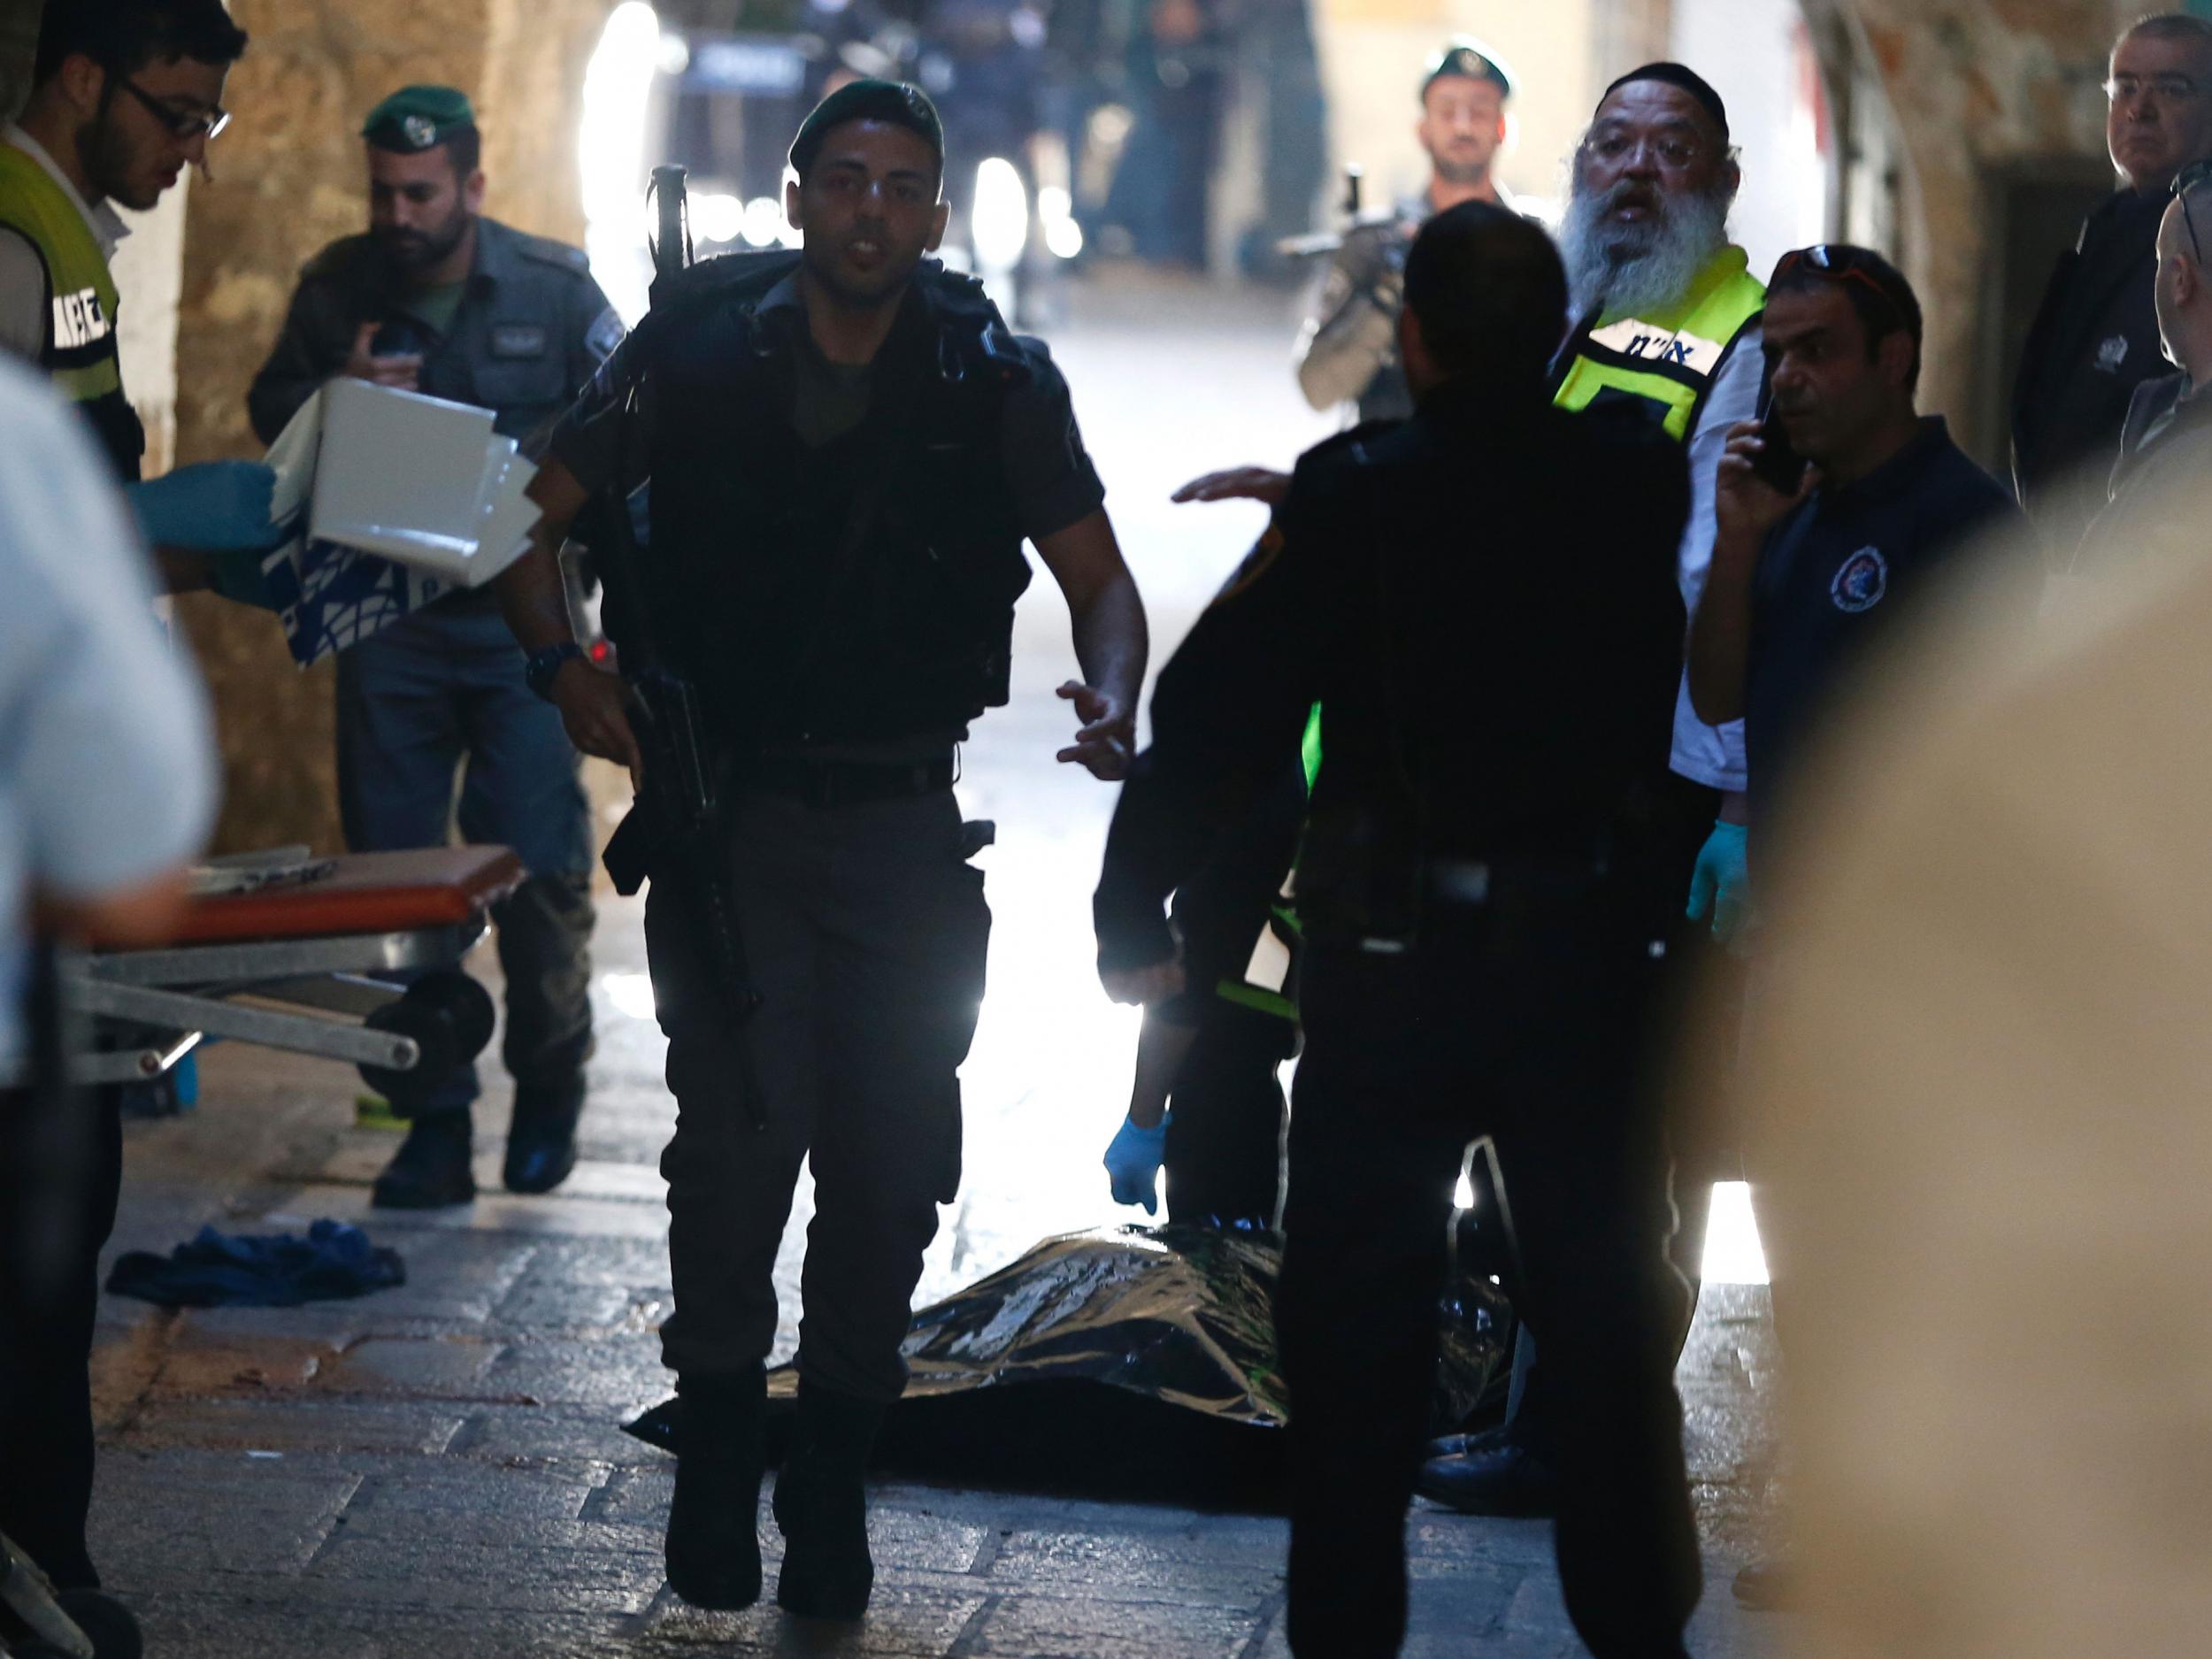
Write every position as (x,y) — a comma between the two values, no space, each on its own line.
(846,449)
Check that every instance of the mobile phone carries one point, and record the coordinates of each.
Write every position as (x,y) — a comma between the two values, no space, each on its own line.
(1778,465)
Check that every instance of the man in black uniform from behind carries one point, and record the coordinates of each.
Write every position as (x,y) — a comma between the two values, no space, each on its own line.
(846,450)
(1481,896)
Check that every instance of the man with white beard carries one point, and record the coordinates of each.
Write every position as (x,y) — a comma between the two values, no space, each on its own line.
(1667,319)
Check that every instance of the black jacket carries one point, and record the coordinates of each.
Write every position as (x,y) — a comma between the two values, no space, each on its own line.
(2094,341)
(1482,600)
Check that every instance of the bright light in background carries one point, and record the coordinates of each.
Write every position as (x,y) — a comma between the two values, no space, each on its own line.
(717,217)
(610,140)
(1001,227)
(1064,237)
(631,994)
(762,223)
(1732,1253)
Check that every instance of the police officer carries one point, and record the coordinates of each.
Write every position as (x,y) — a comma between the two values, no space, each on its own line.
(846,449)
(1480,898)
(1347,353)
(1205,1105)
(2095,337)
(438,298)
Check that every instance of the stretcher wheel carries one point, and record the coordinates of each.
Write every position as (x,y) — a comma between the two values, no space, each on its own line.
(450,1017)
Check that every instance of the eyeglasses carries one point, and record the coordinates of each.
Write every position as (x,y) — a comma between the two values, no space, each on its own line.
(184,125)
(1677,151)
(1845,264)
(2187,180)
(2162,88)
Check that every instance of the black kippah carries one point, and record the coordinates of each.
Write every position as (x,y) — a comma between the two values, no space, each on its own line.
(894,103)
(1683,76)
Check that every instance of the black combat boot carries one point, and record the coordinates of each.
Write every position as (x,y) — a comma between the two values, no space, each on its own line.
(431,1168)
(541,1141)
(713,1550)
(823,1508)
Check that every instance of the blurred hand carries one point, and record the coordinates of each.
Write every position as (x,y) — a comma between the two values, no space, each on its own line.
(1132,1163)
(1720,887)
(595,707)
(1157,982)
(1238,483)
(215,507)
(1745,505)
(404,372)
(1108,736)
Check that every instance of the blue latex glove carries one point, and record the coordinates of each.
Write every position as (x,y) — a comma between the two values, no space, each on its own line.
(216,507)
(1132,1163)
(1720,887)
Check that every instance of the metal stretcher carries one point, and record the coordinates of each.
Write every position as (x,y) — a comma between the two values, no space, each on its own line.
(300,968)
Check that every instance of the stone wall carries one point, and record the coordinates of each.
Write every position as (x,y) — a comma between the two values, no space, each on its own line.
(1974,88)
(288,179)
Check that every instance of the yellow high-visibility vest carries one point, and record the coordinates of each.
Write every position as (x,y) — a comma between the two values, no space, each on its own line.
(1669,355)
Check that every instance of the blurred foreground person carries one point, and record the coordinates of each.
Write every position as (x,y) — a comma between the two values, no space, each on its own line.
(125,95)
(1349,351)
(2095,338)
(1481,904)
(439,297)
(846,450)
(1980,1078)
(107,787)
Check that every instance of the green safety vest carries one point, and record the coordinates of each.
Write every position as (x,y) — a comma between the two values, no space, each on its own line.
(1669,355)
(81,352)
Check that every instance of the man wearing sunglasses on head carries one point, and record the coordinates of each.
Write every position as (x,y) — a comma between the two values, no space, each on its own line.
(126,94)
(2095,338)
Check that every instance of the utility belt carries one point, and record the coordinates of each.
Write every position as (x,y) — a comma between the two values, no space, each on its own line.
(822,782)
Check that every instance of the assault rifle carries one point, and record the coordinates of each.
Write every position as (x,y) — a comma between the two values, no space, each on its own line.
(677,832)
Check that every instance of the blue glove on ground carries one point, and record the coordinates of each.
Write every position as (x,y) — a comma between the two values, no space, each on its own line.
(216,507)
(1132,1163)
(1720,885)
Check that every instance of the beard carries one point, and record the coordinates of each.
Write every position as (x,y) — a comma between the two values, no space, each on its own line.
(105,152)
(408,252)
(1456,170)
(1613,267)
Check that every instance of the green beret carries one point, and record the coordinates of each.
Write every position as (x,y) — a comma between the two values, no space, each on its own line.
(1469,61)
(417,117)
(894,103)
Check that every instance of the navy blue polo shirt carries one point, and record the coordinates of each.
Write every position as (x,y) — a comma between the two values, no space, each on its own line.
(1835,574)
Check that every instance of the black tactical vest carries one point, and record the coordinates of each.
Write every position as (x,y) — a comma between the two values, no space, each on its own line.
(861,590)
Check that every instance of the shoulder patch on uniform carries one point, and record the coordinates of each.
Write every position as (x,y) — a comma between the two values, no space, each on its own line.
(601,338)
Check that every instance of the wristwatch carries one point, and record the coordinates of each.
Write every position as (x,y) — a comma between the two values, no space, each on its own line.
(544,665)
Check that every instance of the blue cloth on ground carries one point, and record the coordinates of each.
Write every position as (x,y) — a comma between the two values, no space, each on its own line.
(333,1262)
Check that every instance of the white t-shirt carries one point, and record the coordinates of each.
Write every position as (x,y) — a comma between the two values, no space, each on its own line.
(1713,754)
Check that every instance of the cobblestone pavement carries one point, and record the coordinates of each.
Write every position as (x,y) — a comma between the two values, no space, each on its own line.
(440,1469)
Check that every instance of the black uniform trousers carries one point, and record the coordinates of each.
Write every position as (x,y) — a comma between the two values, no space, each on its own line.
(61,1172)
(867,931)
(1224,1139)
(1526,1020)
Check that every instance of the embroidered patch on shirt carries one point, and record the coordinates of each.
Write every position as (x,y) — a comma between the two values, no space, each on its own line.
(78,320)
(2112,354)
(517,340)
(1860,584)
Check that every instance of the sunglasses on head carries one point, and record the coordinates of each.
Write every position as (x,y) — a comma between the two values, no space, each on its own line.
(1845,264)
(2187,180)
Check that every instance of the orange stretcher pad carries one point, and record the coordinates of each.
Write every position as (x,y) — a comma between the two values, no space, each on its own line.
(358,964)
(368,893)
